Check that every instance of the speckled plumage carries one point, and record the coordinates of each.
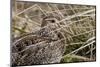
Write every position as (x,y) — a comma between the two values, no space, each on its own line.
(41,47)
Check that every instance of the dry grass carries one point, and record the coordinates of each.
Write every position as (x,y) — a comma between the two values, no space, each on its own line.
(79,26)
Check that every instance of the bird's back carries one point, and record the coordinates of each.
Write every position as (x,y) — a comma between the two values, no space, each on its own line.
(41,47)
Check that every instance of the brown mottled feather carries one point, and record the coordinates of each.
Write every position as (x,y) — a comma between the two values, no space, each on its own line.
(40,47)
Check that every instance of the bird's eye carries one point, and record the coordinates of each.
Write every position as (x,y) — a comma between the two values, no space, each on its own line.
(52,21)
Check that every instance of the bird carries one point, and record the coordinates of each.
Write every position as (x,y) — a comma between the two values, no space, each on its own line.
(44,46)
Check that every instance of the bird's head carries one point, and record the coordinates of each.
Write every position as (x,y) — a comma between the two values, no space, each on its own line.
(51,22)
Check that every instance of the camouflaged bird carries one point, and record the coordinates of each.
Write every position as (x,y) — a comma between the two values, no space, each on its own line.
(44,46)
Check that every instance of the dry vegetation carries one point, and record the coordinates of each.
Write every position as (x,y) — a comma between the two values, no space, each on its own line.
(79,28)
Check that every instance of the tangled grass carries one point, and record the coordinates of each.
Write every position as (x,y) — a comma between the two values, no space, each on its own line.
(79,26)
